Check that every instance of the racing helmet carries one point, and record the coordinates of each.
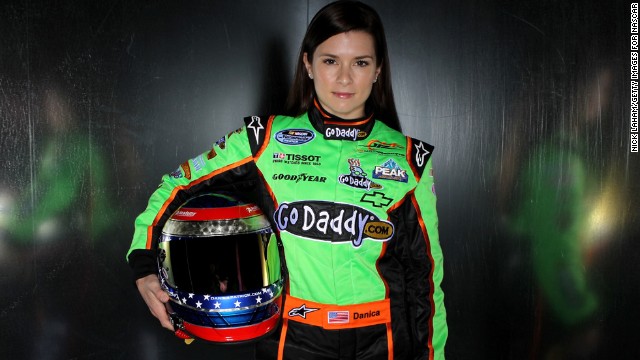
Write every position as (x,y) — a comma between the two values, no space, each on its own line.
(219,262)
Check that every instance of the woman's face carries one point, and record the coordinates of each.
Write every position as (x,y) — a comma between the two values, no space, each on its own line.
(343,68)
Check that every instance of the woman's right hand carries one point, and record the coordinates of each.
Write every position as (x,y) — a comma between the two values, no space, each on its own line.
(156,298)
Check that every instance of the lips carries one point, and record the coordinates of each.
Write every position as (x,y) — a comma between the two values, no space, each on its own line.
(343,95)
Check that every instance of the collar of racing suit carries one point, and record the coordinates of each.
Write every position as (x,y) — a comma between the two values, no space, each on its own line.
(335,128)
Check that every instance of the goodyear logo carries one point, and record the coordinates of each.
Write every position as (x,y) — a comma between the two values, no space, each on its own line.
(331,222)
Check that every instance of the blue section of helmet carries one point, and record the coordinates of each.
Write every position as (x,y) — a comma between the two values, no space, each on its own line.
(225,311)
(207,302)
(229,319)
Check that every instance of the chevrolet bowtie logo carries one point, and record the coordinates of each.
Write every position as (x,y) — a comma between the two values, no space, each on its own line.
(377,199)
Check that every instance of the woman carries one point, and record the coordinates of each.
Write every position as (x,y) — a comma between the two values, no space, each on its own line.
(351,197)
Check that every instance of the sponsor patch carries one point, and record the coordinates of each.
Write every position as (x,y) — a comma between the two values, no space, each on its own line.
(198,163)
(177,174)
(377,144)
(212,153)
(182,171)
(377,199)
(222,143)
(338,317)
(341,133)
(294,136)
(390,170)
(296,178)
(186,170)
(382,148)
(331,222)
(296,159)
(357,178)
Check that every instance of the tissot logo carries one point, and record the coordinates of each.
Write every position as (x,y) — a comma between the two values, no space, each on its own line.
(296,159)
(332,222)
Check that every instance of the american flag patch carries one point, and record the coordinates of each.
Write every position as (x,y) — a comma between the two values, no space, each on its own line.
(338,317)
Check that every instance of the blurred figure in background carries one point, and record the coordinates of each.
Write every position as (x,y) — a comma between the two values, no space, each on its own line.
(52,225)
(566,206)
(66,196)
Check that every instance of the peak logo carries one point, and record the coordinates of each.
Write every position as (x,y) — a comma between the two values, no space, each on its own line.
(390,171)
(331,222)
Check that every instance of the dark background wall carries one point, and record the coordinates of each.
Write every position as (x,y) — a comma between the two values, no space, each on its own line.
(99,99)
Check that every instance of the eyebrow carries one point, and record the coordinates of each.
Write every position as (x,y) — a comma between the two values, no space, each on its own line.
(357,57)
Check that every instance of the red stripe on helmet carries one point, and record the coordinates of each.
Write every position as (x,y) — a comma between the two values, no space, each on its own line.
(202,214)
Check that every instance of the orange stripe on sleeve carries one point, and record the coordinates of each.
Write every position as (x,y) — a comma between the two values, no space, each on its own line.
(175,191)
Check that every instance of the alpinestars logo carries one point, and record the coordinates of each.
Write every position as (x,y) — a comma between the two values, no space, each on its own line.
(357,177)
(331,222)
(301,311)
(256,126)
(421,153)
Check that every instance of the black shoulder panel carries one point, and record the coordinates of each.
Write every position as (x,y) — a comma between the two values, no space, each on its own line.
(420,154)
(256,130)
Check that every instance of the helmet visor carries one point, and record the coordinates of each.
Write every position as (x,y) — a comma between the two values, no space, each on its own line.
(215,265)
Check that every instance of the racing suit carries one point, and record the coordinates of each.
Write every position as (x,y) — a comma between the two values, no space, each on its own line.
(353,204)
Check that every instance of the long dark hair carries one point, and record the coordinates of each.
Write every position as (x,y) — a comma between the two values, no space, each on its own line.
(336,18)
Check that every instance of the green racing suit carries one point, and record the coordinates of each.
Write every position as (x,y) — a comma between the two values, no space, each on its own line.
(354,207)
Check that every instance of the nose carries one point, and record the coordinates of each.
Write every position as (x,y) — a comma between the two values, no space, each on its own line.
(344,75)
